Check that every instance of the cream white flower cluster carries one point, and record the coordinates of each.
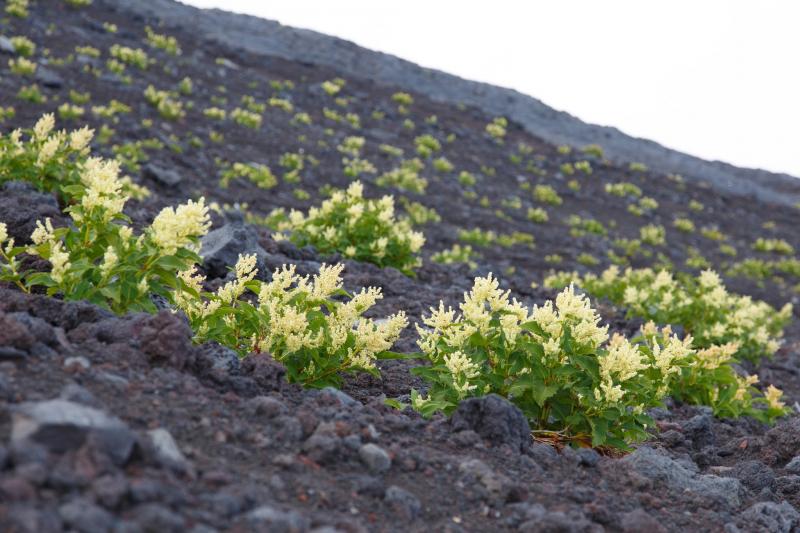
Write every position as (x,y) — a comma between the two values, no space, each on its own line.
(177,228)
(488,311)
(555,361)
(360,228)
(53,160)
(97,258)
(702,306)
(286,319)
(44,234)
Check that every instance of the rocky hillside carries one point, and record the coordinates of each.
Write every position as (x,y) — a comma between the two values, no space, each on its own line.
(120,422)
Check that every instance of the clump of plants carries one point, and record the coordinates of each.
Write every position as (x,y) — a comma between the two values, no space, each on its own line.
(701,305)
(162,42)
(555,362)
(710,379)
(497,128)
(546,195)
(167,103)
(52,161)
(129,56)
(457,254)
(17,8)
(246,118)
(360,228)
(777,246)
(312,326)
(259,174)
(97,258)
(405,177)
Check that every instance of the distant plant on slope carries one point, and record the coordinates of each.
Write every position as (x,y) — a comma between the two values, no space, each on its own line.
(360,228)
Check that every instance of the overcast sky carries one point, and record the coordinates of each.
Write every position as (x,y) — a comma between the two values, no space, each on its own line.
(719,79)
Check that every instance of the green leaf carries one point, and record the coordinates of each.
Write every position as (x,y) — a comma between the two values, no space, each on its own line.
(391,402)
(397,355)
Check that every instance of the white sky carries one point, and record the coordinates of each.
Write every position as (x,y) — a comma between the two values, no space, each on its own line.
(719,79)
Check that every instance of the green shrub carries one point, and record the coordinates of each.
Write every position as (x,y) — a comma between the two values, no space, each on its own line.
(546,195)
(710,379)
(623,189)
(777,246)
(538,215)
(51,161)
(497,128)
(137,58)
(427,145)
(456,254)
(405,177)
(23,46)
(166,103)
(214,113)
(246,118)
(684,224)
(97,258)
(22,67)
(259,174)
(294,319)
(402,99)
(653,234)
(32,94)
(162,42)
(594,150)
(702,306)
(17,8)
(67,111)
(554,362)
(361,229)
(418,213)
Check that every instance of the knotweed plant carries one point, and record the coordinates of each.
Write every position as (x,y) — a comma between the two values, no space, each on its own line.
(555,362)
(457,254)
(22,67)
(710,379)
(701,305)
(497,128)
(163,42)
(362,229)
(98,258)
(129,56)
(405,177)
(17,8)
(51,160)
(23,46)
(246,118)
(167,103)
(546,195)
(257,173)
(293,318)
(777,246)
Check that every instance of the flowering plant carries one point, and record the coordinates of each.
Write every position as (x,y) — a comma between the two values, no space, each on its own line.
(51,161)
(293,318)
(360,228)
(98,258)
(554,362)
(701,305)
(710,379)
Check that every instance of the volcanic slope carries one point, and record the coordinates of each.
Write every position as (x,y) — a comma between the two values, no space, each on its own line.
(186,437)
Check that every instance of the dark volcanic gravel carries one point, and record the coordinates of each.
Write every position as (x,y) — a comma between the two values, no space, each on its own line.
(121,424)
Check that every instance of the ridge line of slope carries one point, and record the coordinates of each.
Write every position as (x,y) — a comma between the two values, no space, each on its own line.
(268,37)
